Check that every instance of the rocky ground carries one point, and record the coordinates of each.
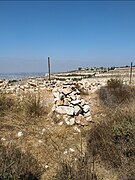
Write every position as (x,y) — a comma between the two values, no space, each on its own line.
(60,135)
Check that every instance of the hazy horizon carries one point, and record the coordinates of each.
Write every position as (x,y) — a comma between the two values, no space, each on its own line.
(72,33)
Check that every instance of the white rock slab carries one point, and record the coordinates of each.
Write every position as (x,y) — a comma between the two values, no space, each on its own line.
(75,102)
(65,110)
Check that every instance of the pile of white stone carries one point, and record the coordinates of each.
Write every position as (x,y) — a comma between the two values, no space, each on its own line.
(68,102)
(40,83)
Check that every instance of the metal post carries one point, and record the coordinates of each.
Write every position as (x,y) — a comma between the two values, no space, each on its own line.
(49,68)
(130,73)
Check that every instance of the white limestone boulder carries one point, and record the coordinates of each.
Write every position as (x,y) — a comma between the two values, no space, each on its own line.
(65,110)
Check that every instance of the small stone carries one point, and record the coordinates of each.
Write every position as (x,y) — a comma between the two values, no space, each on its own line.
(65,152)
(84,122)
(26,86)
(46,166)
(60,102)
(76,102)
(71,149)
(89,119)
(32,84)
(77,129)
(61,96)
(73,95)
(86,108)
(79,118)
(43,130)
(56,95)
(77,110)
(78,97)
(55,100)
(58,116)
(88,114)
(66,102)
(82,102)
(70,121)
(19,134)
(66,91)
(77,91)
(60,123)
(55,90)
(3,139)
(22,87)
(53,108)
(40,141)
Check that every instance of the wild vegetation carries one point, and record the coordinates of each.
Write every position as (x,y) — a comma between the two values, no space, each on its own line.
(35,146)
(116,93)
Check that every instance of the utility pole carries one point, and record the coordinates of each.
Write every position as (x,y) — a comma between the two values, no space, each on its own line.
(130,80)
(49,68)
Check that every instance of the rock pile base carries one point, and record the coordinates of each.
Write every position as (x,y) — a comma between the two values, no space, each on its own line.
(68,102)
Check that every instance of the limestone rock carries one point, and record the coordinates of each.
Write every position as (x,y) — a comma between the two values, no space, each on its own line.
(70,121)
(66,91)
(66,102)
(32,84)
(71,149)
(56,94)
(65,110)
(77,129)
(82,102)
(75,102)
(88,114)
(55,89)
(19,134)
(73,97)
(26,86)
(61,96)
(77,110)
(78,118)
(53,108)
(86,108)
(84,122)
(89,119)
(60,102)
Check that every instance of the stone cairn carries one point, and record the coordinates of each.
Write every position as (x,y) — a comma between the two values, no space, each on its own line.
(68,102)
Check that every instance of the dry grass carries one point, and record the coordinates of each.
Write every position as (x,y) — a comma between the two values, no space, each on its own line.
(115,93)
(6,103)
(76,170)
(56,152)
(43,139)
(15,164)
(33,106)
(112,140)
